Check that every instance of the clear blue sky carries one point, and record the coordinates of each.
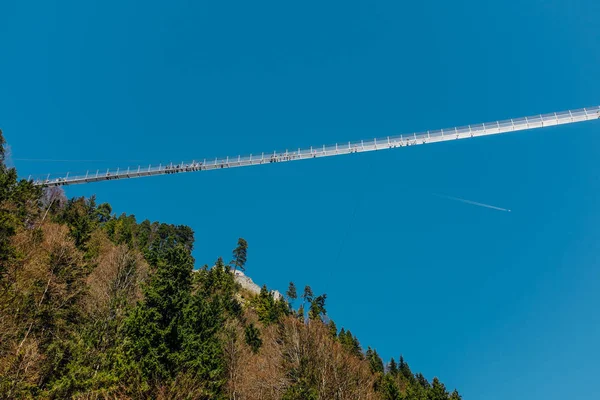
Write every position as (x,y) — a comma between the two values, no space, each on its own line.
(499,305)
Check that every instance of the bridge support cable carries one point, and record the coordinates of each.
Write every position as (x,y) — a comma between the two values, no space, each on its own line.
(389,142)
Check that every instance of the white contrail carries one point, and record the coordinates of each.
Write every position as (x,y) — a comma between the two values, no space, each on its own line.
(472,202)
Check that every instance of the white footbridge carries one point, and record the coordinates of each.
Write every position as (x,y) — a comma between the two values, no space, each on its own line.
(389,142)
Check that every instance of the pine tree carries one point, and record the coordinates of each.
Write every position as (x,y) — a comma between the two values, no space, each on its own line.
(416,392)
(350,343)
(200,355)
(307,296)
(268,309)
(393,367)
(153,335)
(159,335)
(83,216)
(291,292)
(317,307)
(389,389)
(405,369)
(374,361)
(252,335)
(332,329)
(421,380)
(437,391)
(239,255)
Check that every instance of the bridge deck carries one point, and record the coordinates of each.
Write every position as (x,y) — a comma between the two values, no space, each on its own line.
(465,132)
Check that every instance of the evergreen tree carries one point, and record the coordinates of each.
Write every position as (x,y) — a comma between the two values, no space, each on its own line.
(389,389)
(421,380)
(239,255)
(374,361)
(268,309)
(332,329)
(307,296)
(19,201)
(201,356)
(393,367)
(159,333)
(416,392)
(291,292)
(104,212)
(404,369)
(350,343)
(317,307)
(343,339)
(153,335)
(252,335)
(437,391)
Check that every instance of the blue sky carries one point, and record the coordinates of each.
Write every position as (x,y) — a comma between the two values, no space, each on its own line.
(499,305)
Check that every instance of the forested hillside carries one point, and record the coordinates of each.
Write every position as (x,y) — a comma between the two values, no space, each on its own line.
(94,306)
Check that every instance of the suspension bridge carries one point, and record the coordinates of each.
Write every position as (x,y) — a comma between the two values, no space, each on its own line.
(338,149)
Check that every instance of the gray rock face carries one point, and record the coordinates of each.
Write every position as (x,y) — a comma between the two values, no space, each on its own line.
(252,287)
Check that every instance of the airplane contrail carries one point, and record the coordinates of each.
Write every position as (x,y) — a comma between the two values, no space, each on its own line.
(472,202)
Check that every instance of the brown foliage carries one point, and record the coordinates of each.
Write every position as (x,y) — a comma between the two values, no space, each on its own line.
(115,282)
(37,303)
(293,352)
(51,289)
(312,355)
(183,387)
(253,376)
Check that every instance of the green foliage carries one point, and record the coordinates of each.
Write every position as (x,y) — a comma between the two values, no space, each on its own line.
(416,392)
(252,336)
(240,254)
(268,309)
(307,296)
(219,285)
(152,238)
(153,331)
(350,343)
(201,352)
(375,361)
(300,392)
(19,204)
(317,307)
(393,367)
(332,329)
(175,331)
(404,369)
(421,380)
(291,292)
(100,306)
(82,216)
(389,388)
(438,391)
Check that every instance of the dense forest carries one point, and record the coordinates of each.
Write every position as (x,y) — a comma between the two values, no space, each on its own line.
(99,306)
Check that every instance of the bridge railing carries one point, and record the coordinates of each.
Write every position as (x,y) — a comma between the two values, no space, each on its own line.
(326,150)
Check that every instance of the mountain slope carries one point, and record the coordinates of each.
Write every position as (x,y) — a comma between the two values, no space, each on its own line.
(98,306)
